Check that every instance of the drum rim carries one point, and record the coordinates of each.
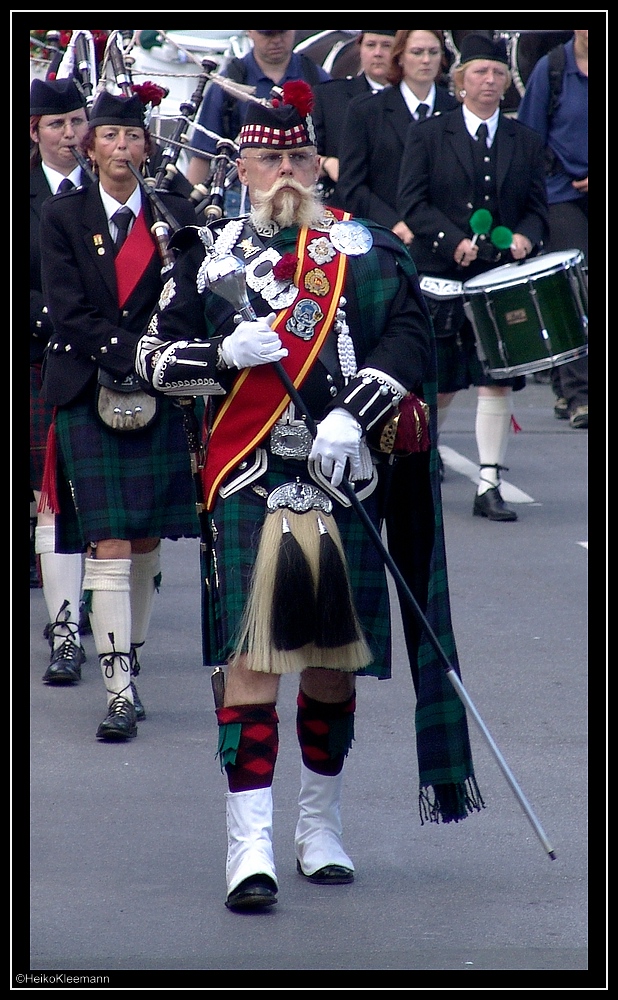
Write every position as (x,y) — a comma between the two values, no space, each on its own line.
(568,257)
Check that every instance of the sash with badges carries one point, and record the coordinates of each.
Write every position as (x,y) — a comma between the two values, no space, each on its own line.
(258,398)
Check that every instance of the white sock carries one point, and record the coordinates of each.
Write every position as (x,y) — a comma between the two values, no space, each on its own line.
(62,581)
(145,571)
(493,419)
(108,579)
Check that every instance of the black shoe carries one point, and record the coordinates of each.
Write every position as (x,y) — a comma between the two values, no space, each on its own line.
(328,875)
(120,722)
(254,893)
(490,504)
(65,666)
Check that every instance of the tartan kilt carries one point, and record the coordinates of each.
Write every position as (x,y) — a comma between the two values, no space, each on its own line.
(235,526)
(125,486)
(41,414)
(459,366)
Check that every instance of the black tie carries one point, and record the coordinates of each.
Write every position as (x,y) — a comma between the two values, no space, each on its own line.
(422,111)
(65,185)
(481,135)
(123,218)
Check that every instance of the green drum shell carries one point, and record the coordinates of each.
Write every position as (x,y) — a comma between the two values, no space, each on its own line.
(509,333)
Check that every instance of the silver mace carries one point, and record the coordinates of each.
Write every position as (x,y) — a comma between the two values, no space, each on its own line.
(225,276)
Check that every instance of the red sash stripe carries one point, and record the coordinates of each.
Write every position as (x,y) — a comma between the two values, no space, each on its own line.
(258,398)
(133,258)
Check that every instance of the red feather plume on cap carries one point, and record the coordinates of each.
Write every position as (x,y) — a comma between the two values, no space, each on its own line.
(299,95)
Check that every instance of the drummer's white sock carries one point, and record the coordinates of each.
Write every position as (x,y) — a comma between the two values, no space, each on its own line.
(493,420)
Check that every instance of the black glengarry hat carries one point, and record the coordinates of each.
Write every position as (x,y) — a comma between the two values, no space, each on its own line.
(55,97)
(476,46)
(112,109)
(283,123)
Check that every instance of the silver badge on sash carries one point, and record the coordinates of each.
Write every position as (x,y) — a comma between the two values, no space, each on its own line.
(306,315)
(351,238)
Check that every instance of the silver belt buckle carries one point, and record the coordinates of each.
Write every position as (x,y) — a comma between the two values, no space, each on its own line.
(291,439)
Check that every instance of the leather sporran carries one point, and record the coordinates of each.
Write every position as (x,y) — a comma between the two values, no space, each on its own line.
(122,405)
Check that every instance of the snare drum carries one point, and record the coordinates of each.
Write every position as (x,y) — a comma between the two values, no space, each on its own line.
(529,316)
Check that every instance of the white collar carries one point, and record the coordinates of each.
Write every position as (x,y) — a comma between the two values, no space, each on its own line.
(111,205)
(412,101)
(373,84)
(473,121)
(55,178)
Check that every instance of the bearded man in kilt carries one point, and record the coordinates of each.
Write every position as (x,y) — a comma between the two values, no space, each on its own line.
(293,584)
(119,486)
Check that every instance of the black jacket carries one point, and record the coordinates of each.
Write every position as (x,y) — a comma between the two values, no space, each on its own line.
(437,187)
(79,286)
(374,137)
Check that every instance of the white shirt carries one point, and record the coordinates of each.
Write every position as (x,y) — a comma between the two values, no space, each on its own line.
(413,102)
(111,206)
(472,123)
(55,179)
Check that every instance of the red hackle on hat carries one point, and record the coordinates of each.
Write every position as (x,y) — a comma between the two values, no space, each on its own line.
(299,95)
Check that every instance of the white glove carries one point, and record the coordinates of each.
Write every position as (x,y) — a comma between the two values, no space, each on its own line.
(337,440)
(252,343)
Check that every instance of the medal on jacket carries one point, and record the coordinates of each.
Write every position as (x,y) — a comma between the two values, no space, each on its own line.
(351,238)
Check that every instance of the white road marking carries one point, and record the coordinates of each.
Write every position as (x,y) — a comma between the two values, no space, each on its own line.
(584,545)
(465,467)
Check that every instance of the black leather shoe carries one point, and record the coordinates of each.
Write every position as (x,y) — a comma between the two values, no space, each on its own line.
(119,723)
(140,711)
(329,875)
(491,505)
(254,893)
(65,665)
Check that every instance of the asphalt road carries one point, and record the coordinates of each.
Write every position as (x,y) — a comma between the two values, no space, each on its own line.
(127,842)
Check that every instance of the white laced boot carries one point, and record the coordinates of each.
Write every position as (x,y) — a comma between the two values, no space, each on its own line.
(319,851)
(250,869)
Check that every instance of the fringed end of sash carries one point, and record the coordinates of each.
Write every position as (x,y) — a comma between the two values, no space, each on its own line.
(449,803)
(87,601)
(49,491)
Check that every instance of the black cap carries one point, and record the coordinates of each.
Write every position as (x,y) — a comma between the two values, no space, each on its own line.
(374,31)
(284,124)
(55,97)
(475,46)
(112,109)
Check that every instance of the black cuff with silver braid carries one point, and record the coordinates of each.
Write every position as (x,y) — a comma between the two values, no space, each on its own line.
(187,368)
(178,368)
(370,396)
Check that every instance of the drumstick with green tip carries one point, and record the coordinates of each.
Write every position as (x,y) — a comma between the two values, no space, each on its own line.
(480,223)
(502,238)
